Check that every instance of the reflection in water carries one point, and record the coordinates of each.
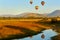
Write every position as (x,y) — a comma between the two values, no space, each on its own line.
(42,36)
(47,33)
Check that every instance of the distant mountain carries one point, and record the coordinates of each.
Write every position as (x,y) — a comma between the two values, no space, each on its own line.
(7,15)
(24,15)
(54,14)
(30,15)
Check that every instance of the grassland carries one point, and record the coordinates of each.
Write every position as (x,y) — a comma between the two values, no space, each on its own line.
(20,28)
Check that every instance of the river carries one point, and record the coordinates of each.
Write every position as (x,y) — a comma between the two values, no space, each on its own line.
(48,34)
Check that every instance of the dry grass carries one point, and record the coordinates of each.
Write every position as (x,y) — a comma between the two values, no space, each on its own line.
(27,24)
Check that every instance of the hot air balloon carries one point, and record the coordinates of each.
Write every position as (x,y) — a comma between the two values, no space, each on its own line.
(36,7)
(42,3)
(31,1)
(30,36)
(42,36)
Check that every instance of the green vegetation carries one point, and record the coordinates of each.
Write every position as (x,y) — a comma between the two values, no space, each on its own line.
(21,18)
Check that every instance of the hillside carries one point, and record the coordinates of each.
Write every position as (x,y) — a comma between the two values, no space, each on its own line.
(25,15)
(54,13)
(12,29)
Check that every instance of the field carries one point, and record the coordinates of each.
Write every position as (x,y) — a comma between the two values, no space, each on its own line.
(20,28)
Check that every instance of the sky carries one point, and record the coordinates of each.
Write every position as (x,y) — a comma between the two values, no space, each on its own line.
(22,6)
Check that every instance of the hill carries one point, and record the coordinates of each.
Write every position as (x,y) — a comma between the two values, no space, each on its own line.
(54,14)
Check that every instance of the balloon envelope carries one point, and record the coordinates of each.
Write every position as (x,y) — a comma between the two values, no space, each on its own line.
(42,3)
(42,36)
(31,2)
(36,7)
(30,36)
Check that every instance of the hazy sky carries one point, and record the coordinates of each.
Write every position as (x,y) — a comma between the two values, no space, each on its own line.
(22,6)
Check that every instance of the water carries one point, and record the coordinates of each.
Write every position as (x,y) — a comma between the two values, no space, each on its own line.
(48,34)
